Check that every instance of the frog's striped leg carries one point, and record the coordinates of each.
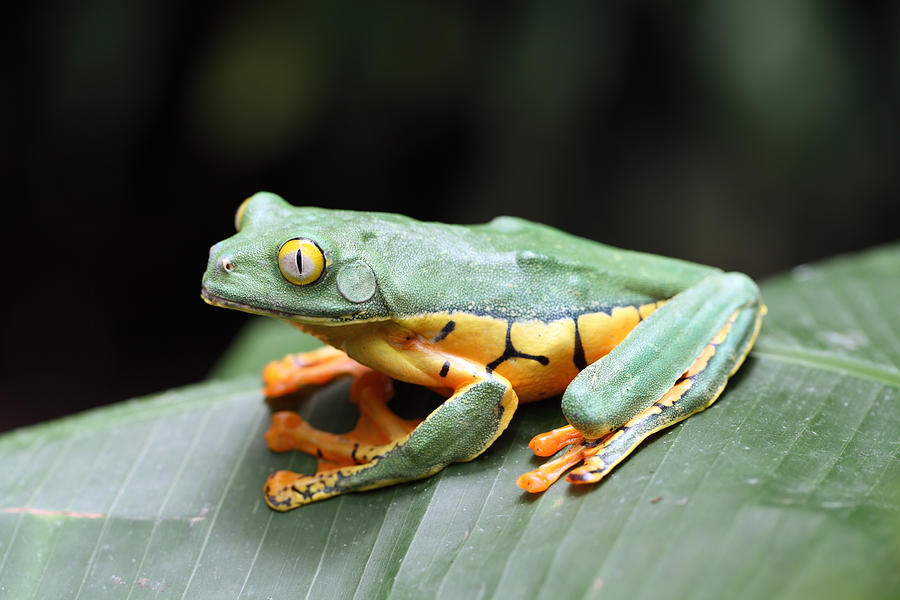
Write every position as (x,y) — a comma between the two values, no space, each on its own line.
(458,430)
(696,361)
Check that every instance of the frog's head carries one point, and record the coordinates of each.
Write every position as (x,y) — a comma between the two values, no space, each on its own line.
(296,263)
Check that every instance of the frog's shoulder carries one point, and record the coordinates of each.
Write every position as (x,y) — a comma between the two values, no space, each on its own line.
(537,244)
(509,223)
(517,226)
(526,234)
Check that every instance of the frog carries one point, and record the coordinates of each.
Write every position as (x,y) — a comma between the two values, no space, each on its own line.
(487,316)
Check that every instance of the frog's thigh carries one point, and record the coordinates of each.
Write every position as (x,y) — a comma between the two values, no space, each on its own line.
(638,371)
(696,390)
(458,430)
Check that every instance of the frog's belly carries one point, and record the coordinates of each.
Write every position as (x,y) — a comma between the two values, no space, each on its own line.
(538,358)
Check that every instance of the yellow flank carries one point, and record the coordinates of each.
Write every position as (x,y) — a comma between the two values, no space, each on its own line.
(443,350)
(601,332)
(472,336)
(555,341)
(540,358)
(647,309)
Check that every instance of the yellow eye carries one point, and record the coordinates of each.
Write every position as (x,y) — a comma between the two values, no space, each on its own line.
(301,261)
(240,214)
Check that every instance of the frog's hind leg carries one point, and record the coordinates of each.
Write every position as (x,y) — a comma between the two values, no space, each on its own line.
(696,389)
(377,426)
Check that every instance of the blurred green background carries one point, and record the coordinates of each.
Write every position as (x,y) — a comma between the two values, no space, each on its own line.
(750,135)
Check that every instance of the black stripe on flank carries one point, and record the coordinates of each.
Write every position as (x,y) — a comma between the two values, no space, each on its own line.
(578,357)
(445,369)
(511,352)
(447,330)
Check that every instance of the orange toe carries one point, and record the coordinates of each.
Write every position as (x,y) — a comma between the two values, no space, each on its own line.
(551,442)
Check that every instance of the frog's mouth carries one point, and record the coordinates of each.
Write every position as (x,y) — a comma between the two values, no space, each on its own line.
(214,300)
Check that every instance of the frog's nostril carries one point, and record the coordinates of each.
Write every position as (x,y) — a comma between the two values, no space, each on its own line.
(225,263)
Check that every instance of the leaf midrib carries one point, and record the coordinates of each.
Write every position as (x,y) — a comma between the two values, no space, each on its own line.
(824,361)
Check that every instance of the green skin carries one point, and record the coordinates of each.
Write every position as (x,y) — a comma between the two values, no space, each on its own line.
(384,267)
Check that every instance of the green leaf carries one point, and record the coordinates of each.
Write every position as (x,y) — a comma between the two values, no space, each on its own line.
(789,487)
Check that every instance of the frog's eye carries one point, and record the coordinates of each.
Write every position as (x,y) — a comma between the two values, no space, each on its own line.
(301,261)
(239,214)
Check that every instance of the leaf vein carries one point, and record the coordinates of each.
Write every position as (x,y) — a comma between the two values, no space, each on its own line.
(884,374)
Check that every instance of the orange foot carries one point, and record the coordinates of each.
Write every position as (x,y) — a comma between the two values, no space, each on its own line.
(582,450)
(377,426)
(308,369)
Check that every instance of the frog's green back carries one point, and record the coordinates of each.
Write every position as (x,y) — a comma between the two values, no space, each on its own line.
(512,268)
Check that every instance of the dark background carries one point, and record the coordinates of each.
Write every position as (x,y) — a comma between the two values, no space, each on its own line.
(750,135)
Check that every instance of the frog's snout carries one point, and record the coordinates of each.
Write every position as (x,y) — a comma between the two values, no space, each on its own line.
(218,267)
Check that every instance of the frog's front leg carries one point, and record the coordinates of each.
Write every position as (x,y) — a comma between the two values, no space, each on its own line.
(460,429)
(377,425)
(673,364)
(308,371)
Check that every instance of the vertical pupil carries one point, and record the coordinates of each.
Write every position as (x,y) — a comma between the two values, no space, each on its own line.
(299,259)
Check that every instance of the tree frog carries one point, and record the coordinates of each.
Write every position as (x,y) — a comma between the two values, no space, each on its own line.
(488,316)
